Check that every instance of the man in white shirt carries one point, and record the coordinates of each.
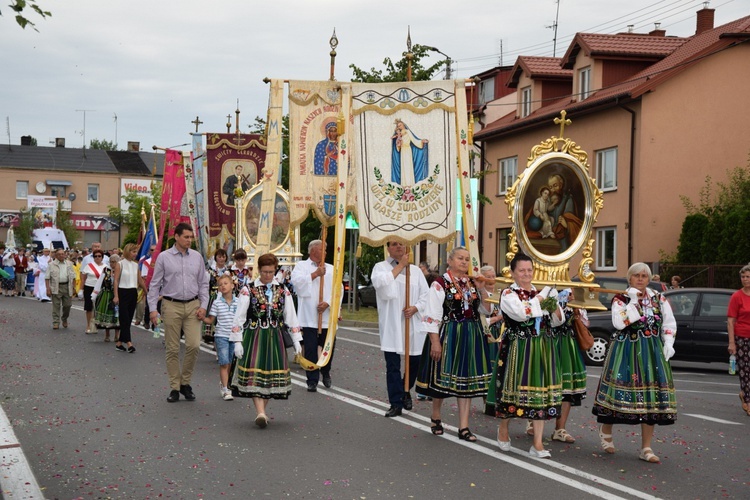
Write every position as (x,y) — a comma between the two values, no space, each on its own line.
(311,306)
(389,281)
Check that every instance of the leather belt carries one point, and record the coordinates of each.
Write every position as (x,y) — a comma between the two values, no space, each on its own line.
(180,300)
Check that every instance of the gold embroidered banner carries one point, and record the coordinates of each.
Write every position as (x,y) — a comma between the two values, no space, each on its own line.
(315,123)
(406,141)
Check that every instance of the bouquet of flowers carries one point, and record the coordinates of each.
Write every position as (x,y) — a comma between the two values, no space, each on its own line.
(549,304)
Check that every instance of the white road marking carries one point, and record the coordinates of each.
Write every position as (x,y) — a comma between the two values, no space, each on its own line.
(16,479)
(711,419)
(486,447)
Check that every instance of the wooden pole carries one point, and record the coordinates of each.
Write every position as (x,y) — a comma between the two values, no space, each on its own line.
(322,279)
(407,321)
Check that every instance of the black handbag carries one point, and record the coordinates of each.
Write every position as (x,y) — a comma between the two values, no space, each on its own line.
(288,342)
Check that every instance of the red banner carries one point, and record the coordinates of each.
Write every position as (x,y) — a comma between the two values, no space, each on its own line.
(232,162)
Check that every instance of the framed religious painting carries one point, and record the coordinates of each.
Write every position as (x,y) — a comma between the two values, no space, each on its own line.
(553,205)
(285,240)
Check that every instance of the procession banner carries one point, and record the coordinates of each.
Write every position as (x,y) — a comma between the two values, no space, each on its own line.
(343,188)
(173,194)
(270,170)
(188,208)
(469,208)
(198,156)
(234,163)
(406,141)
(315,123)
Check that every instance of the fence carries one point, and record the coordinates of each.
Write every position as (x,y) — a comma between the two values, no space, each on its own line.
(711,276)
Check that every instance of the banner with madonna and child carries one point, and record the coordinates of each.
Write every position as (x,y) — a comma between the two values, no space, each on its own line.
(408,140)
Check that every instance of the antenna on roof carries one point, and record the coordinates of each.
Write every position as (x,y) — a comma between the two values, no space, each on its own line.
(83,132)
(554,27)
(114,115)
(7,129)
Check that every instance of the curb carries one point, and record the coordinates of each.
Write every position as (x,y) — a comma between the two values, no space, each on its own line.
(357,324)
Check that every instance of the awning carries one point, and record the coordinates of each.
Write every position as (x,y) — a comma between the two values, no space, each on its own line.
(58,183)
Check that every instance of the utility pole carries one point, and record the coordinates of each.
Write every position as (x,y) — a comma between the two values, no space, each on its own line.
(83,132)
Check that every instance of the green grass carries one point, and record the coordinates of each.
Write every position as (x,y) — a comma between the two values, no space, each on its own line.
(364,314)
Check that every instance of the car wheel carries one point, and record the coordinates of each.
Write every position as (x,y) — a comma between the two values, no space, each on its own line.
(595,356)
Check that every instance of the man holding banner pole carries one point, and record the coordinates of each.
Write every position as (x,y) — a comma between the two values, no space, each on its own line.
(314,309)
(389,281)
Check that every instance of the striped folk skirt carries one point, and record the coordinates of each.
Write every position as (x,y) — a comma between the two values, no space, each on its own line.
(263,371)
(464,369)
(104,311)
(531,385)
(572,368)
(636,385)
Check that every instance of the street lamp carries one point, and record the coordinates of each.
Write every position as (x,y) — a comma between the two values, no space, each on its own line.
(447,61)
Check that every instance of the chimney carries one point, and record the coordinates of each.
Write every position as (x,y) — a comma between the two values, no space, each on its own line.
(25,140)
(657,31)
(705,19)
(133,146)
(60,142)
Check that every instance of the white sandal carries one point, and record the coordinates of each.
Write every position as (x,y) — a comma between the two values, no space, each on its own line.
(647,455)
(608,446)
(529,428)
(563,436)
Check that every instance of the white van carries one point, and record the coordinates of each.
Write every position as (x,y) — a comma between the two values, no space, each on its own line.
(49,237)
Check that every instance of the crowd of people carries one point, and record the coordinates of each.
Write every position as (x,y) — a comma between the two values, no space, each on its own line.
(515,348)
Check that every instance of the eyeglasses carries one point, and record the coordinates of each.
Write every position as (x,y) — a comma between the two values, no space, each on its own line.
(98,256)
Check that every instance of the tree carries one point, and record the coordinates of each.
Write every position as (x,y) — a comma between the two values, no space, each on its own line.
(64,223)
(103,145)
(18,7)
(717,229)
(25,228)
(396,72)
(132,216)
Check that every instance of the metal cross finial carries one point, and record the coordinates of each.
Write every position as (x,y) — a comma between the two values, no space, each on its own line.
(562,121)
(196,122)
(229,124)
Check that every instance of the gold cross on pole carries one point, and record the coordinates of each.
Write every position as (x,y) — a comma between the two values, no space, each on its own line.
(562,121)
(196,122)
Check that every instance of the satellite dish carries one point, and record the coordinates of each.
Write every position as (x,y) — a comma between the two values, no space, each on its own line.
(72,196)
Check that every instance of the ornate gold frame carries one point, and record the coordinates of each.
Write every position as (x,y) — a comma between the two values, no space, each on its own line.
(554,269)
(287,252)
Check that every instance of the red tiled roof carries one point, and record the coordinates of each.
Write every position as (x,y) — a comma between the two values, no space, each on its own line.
(687,52)
(539,68)
(631,46)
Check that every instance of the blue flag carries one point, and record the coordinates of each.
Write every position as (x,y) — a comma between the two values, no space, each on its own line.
(149,240)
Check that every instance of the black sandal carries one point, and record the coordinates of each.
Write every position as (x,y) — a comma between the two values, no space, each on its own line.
(437,429)
(466,435)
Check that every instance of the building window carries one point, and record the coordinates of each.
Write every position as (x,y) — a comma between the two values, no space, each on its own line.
(606,253)
(22,190)
(606,169)
(525,102)
(507,173)
(486,91)
(93,193)
(584,83)
(58,191)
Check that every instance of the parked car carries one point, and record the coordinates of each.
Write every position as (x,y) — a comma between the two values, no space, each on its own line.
(367,296)
(613,283)
(701,315)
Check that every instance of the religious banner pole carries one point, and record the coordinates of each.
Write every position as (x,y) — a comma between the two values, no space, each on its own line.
(334,42)
(322,279)
(408,256)
(269,176)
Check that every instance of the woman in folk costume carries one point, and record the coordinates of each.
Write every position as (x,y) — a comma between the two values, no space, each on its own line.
(572,367)
(455,359)
(103,295)
(636,384)
(261,369)
(91,274)
(531,386)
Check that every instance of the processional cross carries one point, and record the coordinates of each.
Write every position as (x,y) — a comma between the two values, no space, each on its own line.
(562,121)
(196,122)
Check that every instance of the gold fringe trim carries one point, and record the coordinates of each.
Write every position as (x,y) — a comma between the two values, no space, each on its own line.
(231,145)
(398,107)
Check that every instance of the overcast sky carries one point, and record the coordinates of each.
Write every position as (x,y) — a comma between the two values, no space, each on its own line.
(158,64)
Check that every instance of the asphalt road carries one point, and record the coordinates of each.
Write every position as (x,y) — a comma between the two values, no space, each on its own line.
(94,423)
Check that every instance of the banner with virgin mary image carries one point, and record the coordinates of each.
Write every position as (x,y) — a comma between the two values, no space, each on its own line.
(314,159)
(234,164)
(406,142)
